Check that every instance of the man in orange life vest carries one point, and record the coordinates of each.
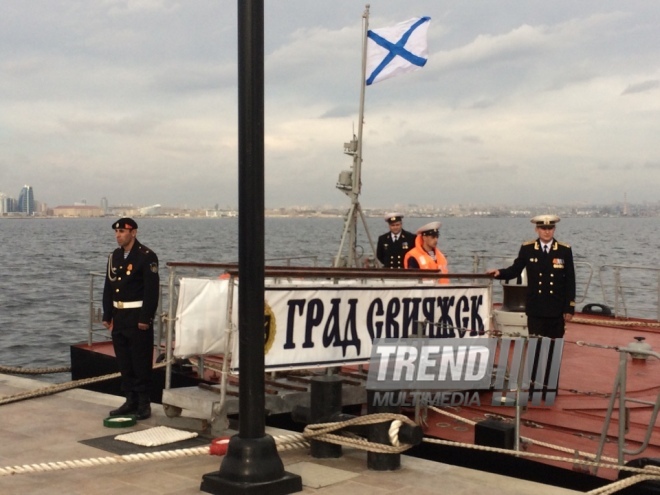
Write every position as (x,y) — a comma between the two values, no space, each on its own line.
(425,254)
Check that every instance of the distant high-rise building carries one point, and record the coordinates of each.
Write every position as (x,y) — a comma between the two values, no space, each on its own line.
(8,205)
(26,200)
(104,205)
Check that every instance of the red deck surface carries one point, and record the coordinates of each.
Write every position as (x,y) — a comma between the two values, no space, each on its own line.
(575,421)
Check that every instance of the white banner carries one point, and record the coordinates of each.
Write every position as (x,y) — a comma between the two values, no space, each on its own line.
(330,324)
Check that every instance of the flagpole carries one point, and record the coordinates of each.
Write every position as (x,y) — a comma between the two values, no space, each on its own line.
(357,182)
(354,148)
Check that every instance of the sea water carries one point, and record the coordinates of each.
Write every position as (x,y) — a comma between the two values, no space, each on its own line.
(45,263)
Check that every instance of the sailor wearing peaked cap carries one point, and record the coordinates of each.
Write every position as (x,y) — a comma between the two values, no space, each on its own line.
(545,220)
(425,254)
(429,229)
(125,223)
(550,291)
(393,216)
(393,245)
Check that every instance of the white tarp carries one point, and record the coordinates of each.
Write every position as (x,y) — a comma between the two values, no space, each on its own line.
(201,317)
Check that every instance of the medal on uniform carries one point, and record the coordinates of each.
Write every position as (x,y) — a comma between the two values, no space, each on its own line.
(129,268)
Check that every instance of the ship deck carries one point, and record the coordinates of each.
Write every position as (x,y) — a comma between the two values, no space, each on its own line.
(571,427)
(69,427)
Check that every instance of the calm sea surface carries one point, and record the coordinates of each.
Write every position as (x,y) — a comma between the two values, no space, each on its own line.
(45,263)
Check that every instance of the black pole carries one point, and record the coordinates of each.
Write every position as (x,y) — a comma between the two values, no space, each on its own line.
(251,217)
(252,464)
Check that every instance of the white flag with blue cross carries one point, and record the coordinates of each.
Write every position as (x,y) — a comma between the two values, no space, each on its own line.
(397,49)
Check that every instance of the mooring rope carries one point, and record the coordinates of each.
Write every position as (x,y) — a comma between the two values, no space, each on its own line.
(282,442)
(626,482)
(16,370)
(323,432)
(526,439)
(101,461)
(648,473)
(615,323)
(61,387)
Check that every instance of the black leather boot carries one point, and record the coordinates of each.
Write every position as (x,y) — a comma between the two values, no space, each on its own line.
(128,407)
(143,406)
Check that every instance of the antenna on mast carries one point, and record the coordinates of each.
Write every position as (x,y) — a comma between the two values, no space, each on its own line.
(350,181)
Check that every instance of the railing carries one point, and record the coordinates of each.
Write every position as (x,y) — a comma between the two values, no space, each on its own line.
(275,273)
(631,290)
(628,290)
(96,332)
(480,263)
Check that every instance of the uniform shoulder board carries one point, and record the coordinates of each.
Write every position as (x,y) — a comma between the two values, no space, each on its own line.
(144,248)
(527,243)
(564,244)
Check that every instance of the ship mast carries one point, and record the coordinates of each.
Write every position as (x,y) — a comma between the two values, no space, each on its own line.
(350,181)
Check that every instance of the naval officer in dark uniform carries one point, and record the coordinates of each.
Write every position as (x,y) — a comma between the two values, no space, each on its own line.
(550,298)
(393,246)
(130,300)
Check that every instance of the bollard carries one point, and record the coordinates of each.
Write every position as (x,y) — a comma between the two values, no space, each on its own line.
(325,402)
(379,433)
(325,407)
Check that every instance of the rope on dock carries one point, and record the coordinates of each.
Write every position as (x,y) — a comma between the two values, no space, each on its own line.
(17,370)
(626,482)
(648,473)
(61,387)
(282,442)
(102,461)
(323,432)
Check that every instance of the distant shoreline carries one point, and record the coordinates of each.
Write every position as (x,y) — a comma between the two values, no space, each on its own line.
(323,215)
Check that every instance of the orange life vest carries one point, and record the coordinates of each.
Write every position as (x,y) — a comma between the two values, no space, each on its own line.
(425,261)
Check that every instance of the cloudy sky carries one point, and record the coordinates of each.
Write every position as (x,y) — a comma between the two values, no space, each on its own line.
(522,102)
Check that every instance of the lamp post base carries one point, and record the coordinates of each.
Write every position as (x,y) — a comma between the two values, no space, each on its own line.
(251,466)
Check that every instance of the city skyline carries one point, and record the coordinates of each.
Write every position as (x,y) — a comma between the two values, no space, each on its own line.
(27,205)
(520,102)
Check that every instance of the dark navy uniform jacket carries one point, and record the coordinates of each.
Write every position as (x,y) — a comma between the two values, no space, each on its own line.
(391,253)
(550,278)
(132,279)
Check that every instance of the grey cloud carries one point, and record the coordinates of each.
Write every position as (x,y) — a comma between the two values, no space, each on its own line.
(642,87)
